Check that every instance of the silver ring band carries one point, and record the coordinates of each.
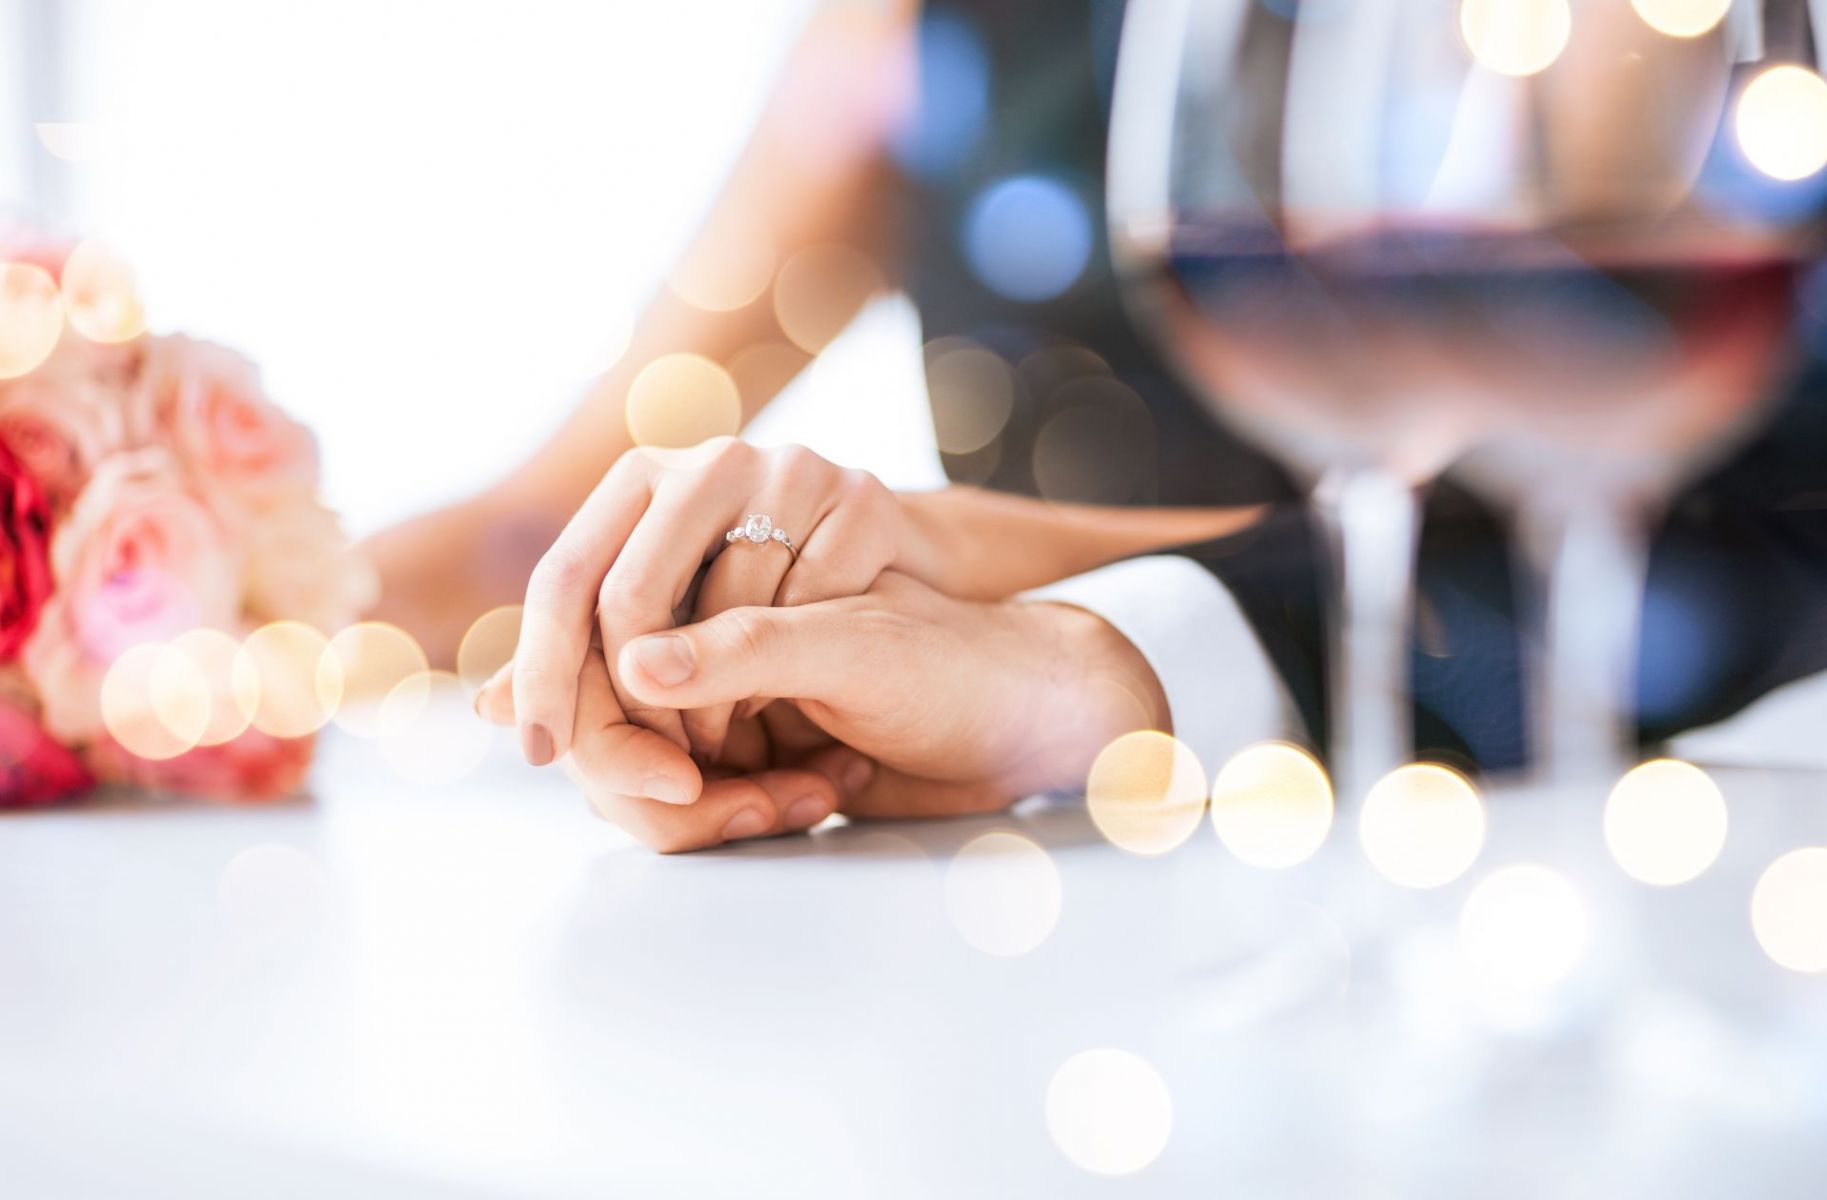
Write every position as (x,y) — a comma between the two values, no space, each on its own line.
(760,529)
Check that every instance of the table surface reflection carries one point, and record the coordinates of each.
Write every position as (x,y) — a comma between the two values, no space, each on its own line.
(479,990)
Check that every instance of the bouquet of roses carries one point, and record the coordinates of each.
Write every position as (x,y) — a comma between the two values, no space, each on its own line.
(147,489)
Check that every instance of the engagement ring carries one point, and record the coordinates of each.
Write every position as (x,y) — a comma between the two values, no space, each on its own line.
(759,528)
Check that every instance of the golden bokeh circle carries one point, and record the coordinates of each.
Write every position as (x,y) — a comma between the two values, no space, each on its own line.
(101,295)
(1789,910)
(972,394)
(1516,37)
(1109,1111)
(1781,122)
(360,667)
(819,290)
(1422,825)
(1003,894)
(1146,792)
(1682,18)
(1665,822)
(31,318)
(212,654)
(679,400)
(1523,927)
(1272,805)
(277,680)
(488,645)
(155,704)
(728,265)
(428,732)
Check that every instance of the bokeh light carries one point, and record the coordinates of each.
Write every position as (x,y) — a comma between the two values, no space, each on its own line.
(1682,18)
(75,141)
(1098,447)
(31,318)
(1272,805)
(1782,122)
(1789,910)
(276,680)
(1422,825)
(728,266)
(1665,822)
(427,731)
(1027,238)
(488,645)
(1109,1111)
(972,392)
(680,400)
(1146,792)
(819,290)
(1523,927)
(212,653)
(360,668)
(156,705)
(954,94)
(1002,893)
(101,295)
(1516,37)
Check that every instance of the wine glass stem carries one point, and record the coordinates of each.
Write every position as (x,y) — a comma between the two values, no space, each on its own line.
(1372,519)
(1589,560)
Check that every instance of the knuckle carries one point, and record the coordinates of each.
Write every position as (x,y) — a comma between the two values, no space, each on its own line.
(560,571)
(745,631)
(625,589)
(798,464)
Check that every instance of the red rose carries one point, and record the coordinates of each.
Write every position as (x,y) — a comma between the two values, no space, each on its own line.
(34,770)
(25,563)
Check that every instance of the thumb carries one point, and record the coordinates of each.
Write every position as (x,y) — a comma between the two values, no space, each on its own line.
(798,653)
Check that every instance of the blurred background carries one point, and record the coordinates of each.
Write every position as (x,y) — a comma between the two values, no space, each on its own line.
(430,223)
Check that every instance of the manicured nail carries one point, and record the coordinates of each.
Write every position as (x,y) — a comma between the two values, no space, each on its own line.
(666,659)
(857,775)
(666,791)
(806,812)
(536,744)
(746,824)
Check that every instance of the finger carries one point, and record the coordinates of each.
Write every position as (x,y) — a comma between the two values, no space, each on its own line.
(689,513)
(873,792)
(730,810)
(791,733)
(842,554)
(625,759)
(747,748)
(495,699)
(746,574)
(558,619)
(817,651)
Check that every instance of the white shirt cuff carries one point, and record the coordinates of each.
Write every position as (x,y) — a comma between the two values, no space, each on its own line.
(1222,691)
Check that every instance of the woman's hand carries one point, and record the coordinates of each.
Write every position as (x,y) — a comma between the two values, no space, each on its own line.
(908,703)
(630,561)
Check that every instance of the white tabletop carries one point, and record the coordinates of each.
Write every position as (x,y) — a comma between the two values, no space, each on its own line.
(480,990)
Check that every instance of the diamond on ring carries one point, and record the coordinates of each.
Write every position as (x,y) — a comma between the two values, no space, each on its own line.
(760,529)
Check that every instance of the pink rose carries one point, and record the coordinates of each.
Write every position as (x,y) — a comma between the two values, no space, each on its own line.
(300,566)
(34,769)
(139,559)
(232,440)
(251,768)
(25,567)
(66,416)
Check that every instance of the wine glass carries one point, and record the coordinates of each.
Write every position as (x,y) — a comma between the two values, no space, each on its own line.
(1553,242)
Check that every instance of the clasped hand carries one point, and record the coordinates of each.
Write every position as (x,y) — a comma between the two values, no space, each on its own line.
(700,691)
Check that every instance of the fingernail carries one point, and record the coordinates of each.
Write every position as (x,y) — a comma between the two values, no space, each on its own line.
(806,812)
(666,659)
(476,701)
(746,824)
(858,774)
(536,744)
(666,791)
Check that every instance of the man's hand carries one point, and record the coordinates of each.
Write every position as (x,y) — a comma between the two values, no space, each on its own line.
(898,702)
